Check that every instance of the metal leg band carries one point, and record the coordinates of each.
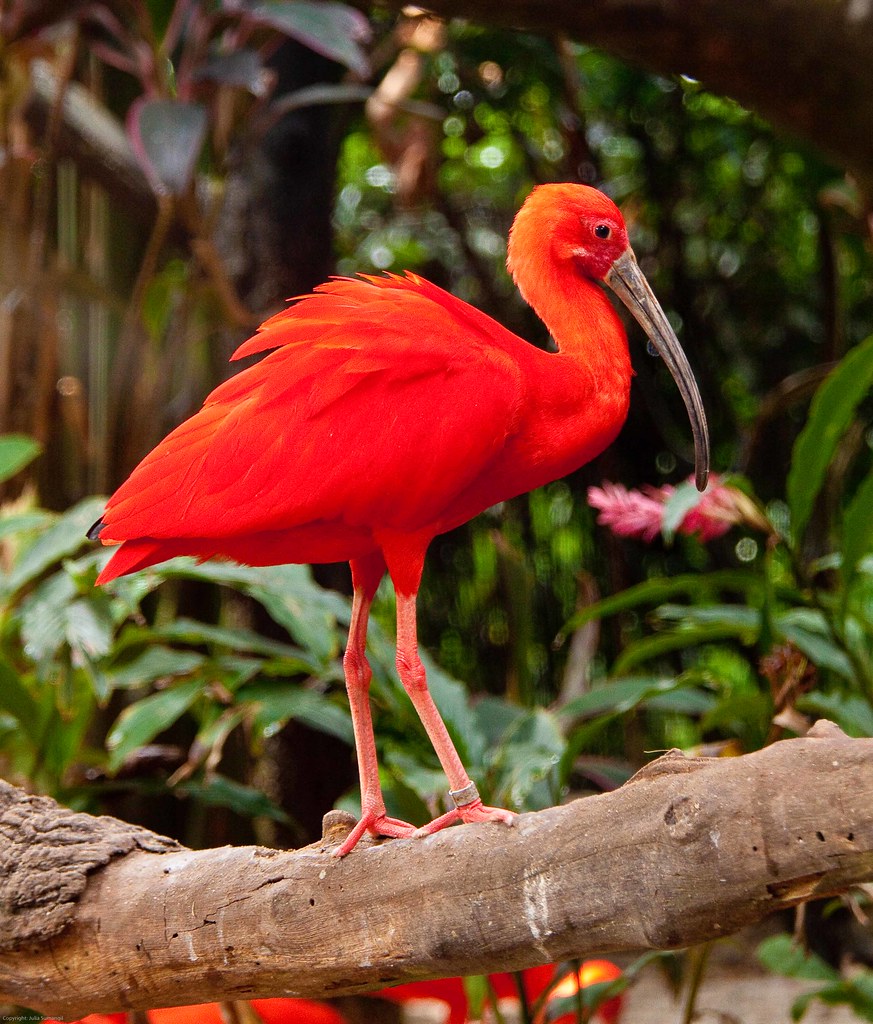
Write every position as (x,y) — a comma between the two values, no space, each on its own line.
(468,795)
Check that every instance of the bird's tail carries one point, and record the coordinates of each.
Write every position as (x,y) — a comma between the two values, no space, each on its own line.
(134,555)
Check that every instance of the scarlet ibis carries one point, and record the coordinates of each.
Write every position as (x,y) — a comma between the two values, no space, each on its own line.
(389,412)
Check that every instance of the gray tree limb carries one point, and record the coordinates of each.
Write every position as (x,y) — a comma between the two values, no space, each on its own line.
(689,849)
(802,64)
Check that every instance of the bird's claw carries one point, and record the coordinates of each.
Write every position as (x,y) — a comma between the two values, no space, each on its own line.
(477,811)
(394,828)
(378,825)
(468,813)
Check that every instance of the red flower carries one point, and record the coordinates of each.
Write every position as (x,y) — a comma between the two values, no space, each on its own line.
(643,514)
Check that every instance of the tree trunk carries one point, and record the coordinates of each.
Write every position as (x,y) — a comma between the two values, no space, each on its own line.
(688,850)
(802,64)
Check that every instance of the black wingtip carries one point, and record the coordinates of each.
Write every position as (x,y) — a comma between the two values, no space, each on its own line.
(94,532)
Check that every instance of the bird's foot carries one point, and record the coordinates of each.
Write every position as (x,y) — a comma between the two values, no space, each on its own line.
(477,811)
(471,812)
(378,824)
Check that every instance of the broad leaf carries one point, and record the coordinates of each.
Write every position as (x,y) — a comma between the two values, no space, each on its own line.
(16,699)
(242,68)
(63,538)
(683,499)
(853,714)
(16,451)
(288,593)
(620,695)
(687,635)
(220,791)
(44,616)
(857,530)
(807,630)
(190,631)
(782,955)
(24,522)
(141,722)
(276,703)
(735,616)
(167,136)
(332,29)
(157,662)
(830,414)
(695,585)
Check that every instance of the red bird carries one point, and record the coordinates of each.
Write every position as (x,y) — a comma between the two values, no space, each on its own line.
(388,412)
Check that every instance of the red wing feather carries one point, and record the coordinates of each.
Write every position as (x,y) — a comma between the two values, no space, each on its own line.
(384,400)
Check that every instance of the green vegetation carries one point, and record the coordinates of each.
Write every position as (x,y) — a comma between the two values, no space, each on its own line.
(580,651)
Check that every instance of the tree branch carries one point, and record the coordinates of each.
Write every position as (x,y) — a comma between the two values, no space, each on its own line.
(802,64)
(689,849)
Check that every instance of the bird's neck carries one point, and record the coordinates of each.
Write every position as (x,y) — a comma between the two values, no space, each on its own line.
(577,399)
(581,319)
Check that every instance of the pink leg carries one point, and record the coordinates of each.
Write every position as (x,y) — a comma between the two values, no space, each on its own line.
(366,575)
(468,805)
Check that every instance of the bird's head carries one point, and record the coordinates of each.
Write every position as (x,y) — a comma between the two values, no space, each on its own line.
(571,225)
(569,231)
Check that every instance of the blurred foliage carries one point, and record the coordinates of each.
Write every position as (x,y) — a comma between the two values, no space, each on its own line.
(783,956)
(582,651)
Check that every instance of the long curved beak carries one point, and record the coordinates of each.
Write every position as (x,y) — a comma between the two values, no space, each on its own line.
(627,281)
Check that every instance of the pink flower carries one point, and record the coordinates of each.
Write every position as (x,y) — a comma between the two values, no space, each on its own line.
(644,514)
(627,513)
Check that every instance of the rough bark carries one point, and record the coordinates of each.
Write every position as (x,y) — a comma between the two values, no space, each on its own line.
(690,849)
(802,64)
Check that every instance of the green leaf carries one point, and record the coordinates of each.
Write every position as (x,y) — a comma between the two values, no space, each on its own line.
(424,781)
(220,791)
(695,585)
(189,631)
(141,722)
(275,703)
(736,617)
(619,696)
(851,992)
(16,451)
(682,702)
(288,593)
(683,499)
(807,630)
(24,522)
(88,629)
(157,662)
(782,955)
(44,616)
(679,639)
(494,717)
(63,538)
(16,699)
(526,758)
(853,714)
(857,530)
(65,729)
(832,410)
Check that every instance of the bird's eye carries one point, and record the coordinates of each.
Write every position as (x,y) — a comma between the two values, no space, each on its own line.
(603,231)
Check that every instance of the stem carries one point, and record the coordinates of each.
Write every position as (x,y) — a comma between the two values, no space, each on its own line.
(699,958)
(526,1018)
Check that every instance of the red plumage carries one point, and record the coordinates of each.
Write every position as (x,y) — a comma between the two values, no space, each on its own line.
(387,404)
(388,411)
